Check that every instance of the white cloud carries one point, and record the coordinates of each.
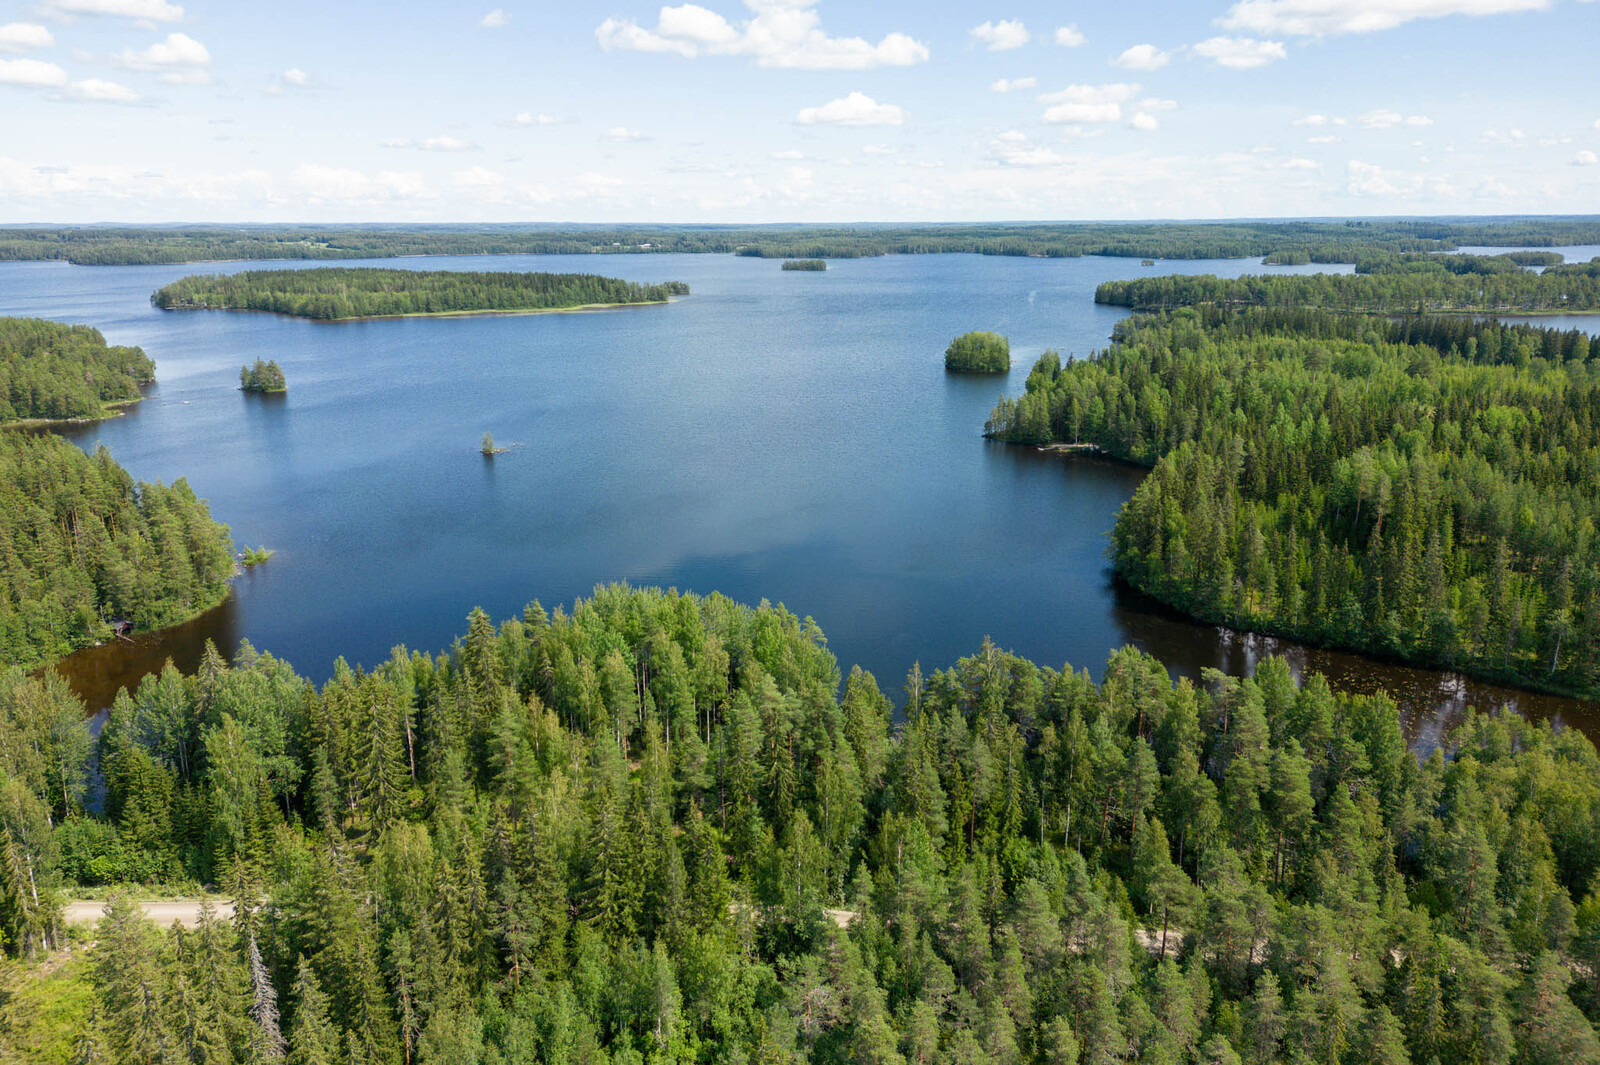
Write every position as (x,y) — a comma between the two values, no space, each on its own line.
(1493,136)
(178,50)
(20,36)
(1322,18)
(1366,179)
(1383,118)
(1012,136)
(1311,120)
(478,177)
(1301,164)
(31,72)
(144,10)
(781,34)
(528,118)
(1069,36)
(1240,53)
(1155,103)
(879,149)
(446,144)
(495,19)
(1013,84)
(1326,138)
(1585,158)
(335,183)
(1142,57)
(296,77)
(1001,36)
(1145,121)
(857,109)
(622,134)
(789,153)
(1087,103)
(98,90)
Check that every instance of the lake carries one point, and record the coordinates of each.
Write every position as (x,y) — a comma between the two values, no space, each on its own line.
(788,436)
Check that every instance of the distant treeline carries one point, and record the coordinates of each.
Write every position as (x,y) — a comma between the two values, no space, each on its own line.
(1317,241)
(805,264)
(81,543)
(1404,285)
(50,370)
(341,292)
(1424,489)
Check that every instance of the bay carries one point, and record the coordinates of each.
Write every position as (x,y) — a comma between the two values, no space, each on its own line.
(787,436)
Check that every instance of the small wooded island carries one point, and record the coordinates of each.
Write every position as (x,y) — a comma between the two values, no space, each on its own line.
(805,264)
(335,293)
(978,352)
(262,377)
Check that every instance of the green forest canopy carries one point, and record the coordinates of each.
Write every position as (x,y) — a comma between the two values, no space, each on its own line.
(369,292)
(632,833)
(1399,287)
(54,371)
(979,351)
(1427,489)
(1324,241)
(81,543)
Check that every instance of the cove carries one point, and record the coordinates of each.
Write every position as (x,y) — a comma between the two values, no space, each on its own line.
(789,436)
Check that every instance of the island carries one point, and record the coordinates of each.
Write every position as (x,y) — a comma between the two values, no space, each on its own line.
(342,293)
(978,352)
(51,372)
(262,377)
(805,264)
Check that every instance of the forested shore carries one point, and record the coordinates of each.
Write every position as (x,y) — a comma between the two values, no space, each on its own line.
(82,545)
(1288,241)
(631,832)
(55,372)
(334,293)
(1423,489)
(1401,286)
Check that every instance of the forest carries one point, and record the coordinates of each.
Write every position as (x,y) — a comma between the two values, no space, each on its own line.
(334,293)
(50,371)
(1397,285)
(1423,489)
(81,545)
(654,829)
(262,377)
(812,265)
(979,351)
(1335,241)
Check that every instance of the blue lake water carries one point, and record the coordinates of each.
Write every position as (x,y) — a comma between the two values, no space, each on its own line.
(787,436)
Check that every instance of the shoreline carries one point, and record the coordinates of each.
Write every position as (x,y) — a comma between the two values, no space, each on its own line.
(486,312)
(111,410)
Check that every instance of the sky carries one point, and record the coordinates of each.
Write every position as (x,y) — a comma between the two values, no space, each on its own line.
(792,111)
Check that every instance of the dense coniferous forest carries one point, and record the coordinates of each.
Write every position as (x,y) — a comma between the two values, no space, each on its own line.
(1399,285)
(979,351)
(1317,241)
(53,371)
(345,292)
(262,377)
(81,544)
(813,265)
(653,829)
(1427,489)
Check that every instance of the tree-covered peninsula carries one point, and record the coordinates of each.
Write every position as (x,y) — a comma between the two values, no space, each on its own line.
(1425,489)
(264,376)
(653,829)
(978,352)
(333,293)
(81,545)
(1401,286)
(51,372)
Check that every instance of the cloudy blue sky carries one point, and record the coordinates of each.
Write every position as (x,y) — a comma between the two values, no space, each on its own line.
(784,110)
